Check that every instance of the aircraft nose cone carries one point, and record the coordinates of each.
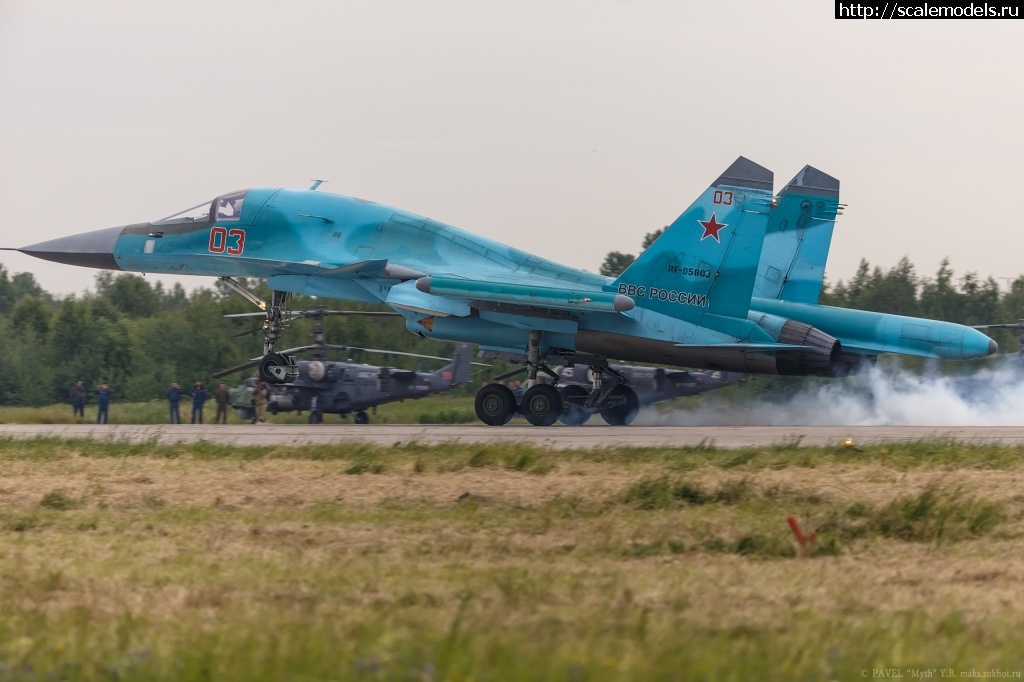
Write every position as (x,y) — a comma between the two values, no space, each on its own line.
(89,249)
(977,345)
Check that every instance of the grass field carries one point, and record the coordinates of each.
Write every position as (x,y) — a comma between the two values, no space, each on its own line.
(207,562)
(449,408)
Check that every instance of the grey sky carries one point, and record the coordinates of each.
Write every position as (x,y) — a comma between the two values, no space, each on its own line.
(568,129)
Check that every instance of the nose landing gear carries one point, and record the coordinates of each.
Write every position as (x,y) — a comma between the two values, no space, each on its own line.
(275,367)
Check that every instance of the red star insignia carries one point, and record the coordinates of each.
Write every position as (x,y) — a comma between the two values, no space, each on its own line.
(711,228)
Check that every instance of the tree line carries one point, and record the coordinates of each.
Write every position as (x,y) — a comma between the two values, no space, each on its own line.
(138,337)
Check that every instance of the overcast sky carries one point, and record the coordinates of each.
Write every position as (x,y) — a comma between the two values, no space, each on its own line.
(568,129)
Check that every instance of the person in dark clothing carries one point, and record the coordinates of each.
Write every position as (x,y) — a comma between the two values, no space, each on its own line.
(173,396)
(102,404)
(198,398)
(223,401)
(77,397)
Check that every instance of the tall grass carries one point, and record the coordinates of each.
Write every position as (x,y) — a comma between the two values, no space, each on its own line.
(493,562)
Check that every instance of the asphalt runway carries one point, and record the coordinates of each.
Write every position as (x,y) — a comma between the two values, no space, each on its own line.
(556,437)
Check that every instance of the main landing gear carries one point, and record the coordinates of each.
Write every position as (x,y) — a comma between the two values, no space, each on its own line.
(608,396)
(543,404)
(274,367)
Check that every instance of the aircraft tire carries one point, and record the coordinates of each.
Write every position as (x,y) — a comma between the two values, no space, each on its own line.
(625,412)
(572,396)
(542,405)
(361,417)
(269,368)
(495,405)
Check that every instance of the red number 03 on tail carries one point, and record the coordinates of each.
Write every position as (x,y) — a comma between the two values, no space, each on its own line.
(223,240)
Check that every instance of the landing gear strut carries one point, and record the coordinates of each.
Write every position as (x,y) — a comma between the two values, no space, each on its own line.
(609,396)
(542,403)
(275,367)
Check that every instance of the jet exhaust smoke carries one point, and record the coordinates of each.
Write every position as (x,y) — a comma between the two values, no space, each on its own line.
(876,397)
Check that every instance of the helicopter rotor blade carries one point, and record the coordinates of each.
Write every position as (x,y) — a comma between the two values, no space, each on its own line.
(334,346)
(237,368)
(364,313)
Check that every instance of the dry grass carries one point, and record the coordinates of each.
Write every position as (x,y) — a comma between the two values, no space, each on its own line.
(494,567)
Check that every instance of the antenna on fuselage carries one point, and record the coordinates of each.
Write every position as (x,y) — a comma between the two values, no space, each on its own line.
(316,183)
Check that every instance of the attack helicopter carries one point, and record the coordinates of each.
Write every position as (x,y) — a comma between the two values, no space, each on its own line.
(321,386)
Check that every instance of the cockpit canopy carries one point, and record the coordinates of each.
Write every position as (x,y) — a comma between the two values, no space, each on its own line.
(225,208)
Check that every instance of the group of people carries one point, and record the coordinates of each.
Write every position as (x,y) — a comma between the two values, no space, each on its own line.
(223,398)
(78,397)
(199,397)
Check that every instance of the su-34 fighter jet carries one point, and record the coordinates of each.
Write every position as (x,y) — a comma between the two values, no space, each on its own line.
(731,285)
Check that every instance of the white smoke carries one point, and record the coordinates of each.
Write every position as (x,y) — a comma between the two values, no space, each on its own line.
(877,397)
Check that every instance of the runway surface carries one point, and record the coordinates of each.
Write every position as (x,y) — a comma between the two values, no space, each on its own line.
(557,437)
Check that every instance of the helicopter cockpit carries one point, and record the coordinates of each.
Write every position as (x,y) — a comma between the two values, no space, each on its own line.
(224,208)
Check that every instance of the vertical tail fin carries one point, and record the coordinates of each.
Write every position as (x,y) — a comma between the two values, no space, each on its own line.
(706,261)
(792,266)
(458,370)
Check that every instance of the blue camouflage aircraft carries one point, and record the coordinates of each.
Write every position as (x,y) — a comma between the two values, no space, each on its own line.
(731,285)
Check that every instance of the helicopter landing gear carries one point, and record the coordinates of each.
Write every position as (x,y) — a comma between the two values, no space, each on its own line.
(361,417)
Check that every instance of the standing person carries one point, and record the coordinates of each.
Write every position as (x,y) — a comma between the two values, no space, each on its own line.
(77,398)
(173,396)
(102,404)
(223,400)
(198,398)
(260,397)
